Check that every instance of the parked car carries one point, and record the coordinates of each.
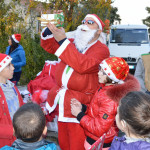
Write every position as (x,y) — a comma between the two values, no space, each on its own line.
(129,42)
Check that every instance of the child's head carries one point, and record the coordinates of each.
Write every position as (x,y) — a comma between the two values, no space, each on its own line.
(113,69)
(29,123)
(6,68)
(133,114)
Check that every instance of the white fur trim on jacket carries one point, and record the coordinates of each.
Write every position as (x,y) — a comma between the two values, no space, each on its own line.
(47,37)
(49,108)
(60,97)
(61,49)
(66,77)
(61,109)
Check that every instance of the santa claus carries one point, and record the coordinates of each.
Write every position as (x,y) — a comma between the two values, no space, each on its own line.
(75,75)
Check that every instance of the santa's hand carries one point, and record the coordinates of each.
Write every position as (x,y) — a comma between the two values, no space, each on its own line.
(75,101)
(58,33)
(75,110)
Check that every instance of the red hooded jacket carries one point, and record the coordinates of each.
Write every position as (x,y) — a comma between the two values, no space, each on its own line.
(100,116)
(6,127)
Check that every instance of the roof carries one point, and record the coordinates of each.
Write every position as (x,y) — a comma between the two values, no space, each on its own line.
(129,26)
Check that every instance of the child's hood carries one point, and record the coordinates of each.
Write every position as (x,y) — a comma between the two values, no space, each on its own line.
(118,91)
(39,145)
(119,143)
(17,49)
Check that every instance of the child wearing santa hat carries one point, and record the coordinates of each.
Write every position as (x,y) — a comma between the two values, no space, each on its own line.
(17,53)
(98,117)
(10,100)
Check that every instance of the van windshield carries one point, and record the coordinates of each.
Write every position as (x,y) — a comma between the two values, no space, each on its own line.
(129,36)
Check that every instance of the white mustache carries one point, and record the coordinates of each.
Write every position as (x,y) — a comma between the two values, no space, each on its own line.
(84,27)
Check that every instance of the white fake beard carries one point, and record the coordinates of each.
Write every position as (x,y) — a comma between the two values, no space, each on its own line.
(82,38)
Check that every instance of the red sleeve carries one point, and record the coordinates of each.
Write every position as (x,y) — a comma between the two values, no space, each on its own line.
(82,63)
(98,125)
(48,43)
(6,131)
(68,53)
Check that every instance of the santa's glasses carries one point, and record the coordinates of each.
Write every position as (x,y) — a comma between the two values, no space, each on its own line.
(88,21)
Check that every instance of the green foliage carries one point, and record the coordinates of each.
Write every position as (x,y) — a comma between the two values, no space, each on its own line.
(100,7)
(147,20)
(11,23)
(8,17)
(75,10)
(113,15)
(35,56)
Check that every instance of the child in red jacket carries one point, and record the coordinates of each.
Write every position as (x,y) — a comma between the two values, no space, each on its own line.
(99,117)
(10,100)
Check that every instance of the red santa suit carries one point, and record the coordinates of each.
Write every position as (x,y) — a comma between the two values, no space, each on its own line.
(76,77)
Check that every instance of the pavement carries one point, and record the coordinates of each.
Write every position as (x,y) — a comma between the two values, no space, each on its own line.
(22,88)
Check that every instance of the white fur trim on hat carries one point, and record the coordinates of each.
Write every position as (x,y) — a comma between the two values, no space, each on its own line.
(13,36)
(109,73)
(5,62)
(95,18)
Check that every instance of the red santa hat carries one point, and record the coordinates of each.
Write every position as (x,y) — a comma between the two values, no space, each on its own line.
(16,37)
(97,20)
(116,68)
(4,61)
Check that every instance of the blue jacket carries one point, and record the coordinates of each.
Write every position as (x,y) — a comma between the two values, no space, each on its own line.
(119,143)
(40,145)
(18,57)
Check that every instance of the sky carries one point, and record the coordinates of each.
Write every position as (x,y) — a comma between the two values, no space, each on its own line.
(132,11)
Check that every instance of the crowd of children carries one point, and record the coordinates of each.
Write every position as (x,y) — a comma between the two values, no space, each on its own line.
(25,127)
(84,117)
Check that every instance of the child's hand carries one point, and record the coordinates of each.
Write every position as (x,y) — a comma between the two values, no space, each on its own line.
(45,111)
(76,107)
(76,102)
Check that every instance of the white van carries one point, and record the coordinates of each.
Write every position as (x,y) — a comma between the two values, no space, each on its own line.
(129,42)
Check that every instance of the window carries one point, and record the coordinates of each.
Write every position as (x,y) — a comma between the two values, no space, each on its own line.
(129,36)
